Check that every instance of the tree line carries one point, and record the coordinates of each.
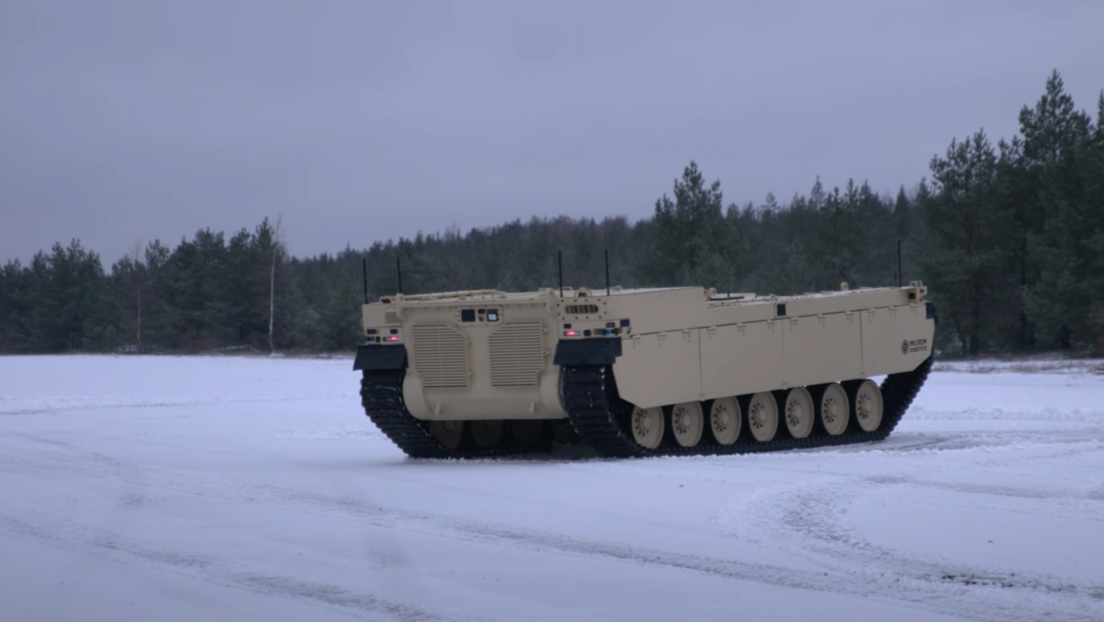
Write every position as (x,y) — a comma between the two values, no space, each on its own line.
(1009,237)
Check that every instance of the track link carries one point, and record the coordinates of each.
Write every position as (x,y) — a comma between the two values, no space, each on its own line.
(589,396)
(381,396)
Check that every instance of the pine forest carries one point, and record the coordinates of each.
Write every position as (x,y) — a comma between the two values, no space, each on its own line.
(1007,233)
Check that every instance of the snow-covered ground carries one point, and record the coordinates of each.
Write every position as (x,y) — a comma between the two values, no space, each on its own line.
(161,488)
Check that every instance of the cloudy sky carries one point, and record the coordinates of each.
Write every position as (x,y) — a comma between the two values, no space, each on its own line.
(361,120)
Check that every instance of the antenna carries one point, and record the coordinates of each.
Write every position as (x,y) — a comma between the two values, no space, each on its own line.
(560,253)
(899,262)
(607,272)
(364,273)
(398,268)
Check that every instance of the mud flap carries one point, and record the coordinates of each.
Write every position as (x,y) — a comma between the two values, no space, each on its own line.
(930,312)
(381,357)
(587,352)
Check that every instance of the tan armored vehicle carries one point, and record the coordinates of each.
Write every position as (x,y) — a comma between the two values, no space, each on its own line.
(672,371)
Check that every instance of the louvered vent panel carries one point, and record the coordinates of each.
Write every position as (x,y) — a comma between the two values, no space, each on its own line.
(440,356)
(517,354)
(581,309)
(391,317)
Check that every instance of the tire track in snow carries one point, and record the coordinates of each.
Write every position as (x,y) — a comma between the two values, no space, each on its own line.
(853,566)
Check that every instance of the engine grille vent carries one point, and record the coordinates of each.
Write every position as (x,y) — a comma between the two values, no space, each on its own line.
(440,356)
(581,309)
(391,317)
(517,354)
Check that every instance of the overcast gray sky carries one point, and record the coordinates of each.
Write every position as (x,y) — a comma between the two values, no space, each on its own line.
(362,120)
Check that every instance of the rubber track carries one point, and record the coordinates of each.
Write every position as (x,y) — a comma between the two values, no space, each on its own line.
(590,398)
(381,396)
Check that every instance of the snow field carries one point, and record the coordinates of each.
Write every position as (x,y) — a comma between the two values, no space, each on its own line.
(241,488)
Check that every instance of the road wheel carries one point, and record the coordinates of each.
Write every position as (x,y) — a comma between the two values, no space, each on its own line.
(647,426)
(487,433)
(763,416)
(834,409)
(867,405)
(687,423)
(527,432)
(725,419)
(799,412)
(448,433)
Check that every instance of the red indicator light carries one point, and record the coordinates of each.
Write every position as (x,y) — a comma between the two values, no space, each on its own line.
(569,333)
(394,338)
(386,300)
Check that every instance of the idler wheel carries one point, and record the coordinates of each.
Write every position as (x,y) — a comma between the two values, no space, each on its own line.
(763,416)
(725,419)
(647,426)
(687,423)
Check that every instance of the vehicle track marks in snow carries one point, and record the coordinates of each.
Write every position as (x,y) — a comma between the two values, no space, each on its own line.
(1092,416)
(810,520)
(807,521)
(72,535)
(43,405)
(343,433)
